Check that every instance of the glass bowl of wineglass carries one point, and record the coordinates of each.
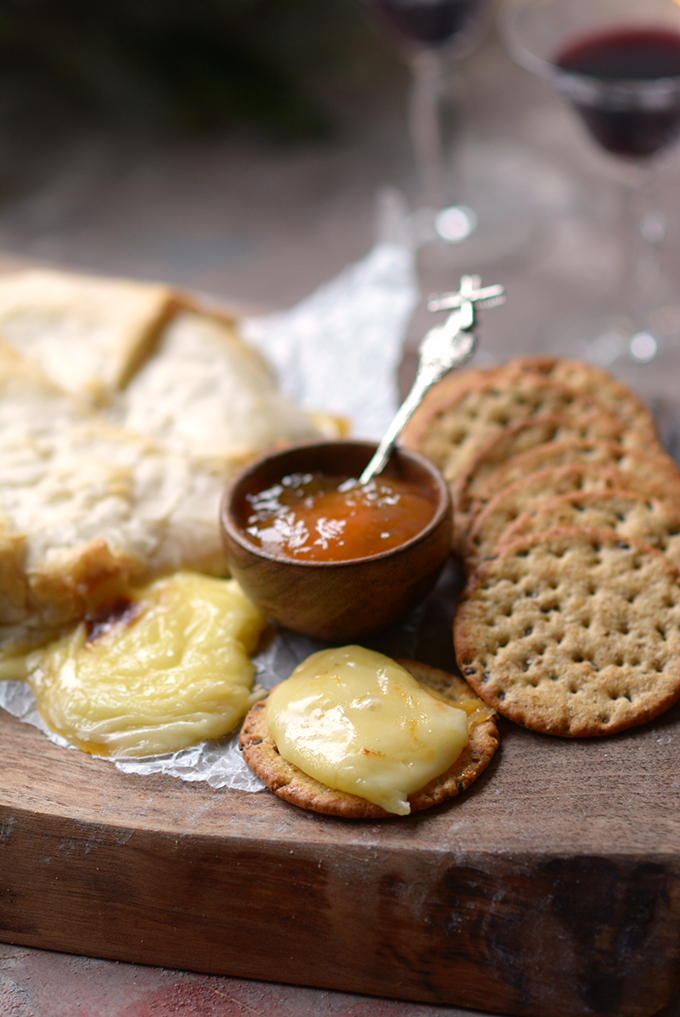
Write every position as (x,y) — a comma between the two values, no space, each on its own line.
(617,62)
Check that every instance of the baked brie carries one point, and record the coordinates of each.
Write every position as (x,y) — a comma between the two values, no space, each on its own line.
(163,668)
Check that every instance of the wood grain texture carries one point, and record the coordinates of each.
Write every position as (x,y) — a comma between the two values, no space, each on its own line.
(552,886)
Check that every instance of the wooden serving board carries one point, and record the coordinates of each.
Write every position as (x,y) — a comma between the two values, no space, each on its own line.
(551,887)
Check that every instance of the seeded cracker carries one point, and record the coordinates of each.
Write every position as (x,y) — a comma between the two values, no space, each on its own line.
(534,444)
(573,632)
(613,395)
(524,495)
(290,783)
(453,426)
(648,520)
(653,467)
(457,412)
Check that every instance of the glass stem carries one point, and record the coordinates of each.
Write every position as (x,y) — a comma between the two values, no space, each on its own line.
(425,124)
(644,230)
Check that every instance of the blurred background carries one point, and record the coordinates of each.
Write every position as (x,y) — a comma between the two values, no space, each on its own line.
(233,145)
(240,148)
(251,150)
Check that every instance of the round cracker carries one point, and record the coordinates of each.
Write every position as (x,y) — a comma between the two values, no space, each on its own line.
(290,783)
(524,495)
(496,471)
(459,419)
(431,427)
(612,394)
(647,520)
(534,444)
(573,632)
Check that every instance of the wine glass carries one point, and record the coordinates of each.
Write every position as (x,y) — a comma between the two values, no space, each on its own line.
(618,63)
(432,36)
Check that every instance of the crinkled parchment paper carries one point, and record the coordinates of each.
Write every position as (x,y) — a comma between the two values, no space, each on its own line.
(338,352)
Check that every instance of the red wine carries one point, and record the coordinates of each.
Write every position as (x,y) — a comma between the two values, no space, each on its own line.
(615,115)
(427,21)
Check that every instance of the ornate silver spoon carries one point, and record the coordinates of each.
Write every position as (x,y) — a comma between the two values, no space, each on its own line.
(441,349)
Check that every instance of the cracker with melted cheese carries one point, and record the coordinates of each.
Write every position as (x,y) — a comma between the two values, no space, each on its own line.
(368,749)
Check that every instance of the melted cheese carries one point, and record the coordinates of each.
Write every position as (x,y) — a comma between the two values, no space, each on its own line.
(357,721)
(170,668)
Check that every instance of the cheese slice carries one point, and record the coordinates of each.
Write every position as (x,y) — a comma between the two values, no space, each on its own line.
(162,670)
(359,722)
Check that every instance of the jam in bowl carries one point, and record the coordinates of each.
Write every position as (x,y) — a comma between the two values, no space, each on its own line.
(323,555)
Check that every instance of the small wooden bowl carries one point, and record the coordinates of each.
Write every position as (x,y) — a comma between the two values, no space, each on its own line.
(337,601)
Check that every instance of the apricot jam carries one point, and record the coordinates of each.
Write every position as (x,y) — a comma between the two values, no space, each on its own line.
(316,517)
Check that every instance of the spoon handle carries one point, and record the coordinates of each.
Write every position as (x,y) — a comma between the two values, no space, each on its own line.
(442,348)
(440,352)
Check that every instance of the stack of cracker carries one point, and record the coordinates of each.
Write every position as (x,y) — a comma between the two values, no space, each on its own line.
(567,516)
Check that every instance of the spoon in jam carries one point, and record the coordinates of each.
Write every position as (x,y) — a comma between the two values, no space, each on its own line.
(441,349)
